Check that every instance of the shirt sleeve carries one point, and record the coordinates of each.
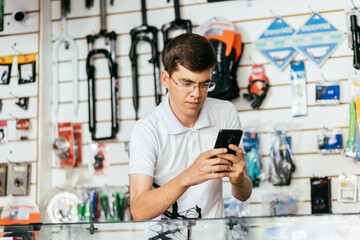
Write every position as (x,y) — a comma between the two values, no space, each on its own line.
(233,120)
(142,149)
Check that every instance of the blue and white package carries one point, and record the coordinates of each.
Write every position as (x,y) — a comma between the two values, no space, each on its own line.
(317,39)
(275,43)
(327,93)
(298,89)
(330,141)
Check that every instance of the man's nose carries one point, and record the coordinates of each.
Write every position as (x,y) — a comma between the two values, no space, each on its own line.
(196,91)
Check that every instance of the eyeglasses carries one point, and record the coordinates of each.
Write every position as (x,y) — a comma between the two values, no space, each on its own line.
(190,87)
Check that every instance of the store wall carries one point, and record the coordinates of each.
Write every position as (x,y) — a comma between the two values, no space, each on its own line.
(251,18)
(21,39)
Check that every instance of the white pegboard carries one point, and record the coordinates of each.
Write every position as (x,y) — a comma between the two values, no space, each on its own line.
(275,110)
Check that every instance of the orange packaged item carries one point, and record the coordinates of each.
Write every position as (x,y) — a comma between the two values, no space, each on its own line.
(65,132)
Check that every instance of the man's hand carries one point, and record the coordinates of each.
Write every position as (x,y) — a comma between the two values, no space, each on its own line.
(207,166)
(241,184)
(238,170)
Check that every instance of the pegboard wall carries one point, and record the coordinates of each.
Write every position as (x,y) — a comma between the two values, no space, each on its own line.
(251,18)
(21,38)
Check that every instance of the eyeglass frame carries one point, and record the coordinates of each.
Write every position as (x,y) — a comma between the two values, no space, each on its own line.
(212,86)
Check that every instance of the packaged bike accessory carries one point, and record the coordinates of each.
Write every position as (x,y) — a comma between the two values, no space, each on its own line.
(64,146)
(84,207)
(23,128)
(258,86)
(18,179)
(233,207)
(280,207)
(354,115)
(3,132)
(77,129)
(317,39)
(350,148)
(327,93)
(1,105)
(275,43)
(62,207)
(5,69)
(298,89)
(320,195)
(23,103)
(330,141)
(27,68)
(347,189)
(99,158)
(281,163)
(20,211)
(252,158)
(3,178)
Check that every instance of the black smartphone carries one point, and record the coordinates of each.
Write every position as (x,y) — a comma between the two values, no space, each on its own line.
(228,136)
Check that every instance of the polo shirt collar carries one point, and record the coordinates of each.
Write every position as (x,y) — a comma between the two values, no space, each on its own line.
(174,126)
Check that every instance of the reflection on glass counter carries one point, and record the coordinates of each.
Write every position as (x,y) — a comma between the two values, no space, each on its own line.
(320,227)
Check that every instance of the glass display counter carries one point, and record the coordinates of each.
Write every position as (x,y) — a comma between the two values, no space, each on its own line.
(331,226)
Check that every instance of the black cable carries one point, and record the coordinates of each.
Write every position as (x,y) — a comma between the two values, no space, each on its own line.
(257,98)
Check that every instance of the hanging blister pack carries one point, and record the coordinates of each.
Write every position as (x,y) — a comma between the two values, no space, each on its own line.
(298,89)
(327,93)
(5,69)
(330,141)
(23,128)
(3,132)
(27,68)
(252,157)
(350,149)
(99,162)
(347,189)
(281,163)
(320,195)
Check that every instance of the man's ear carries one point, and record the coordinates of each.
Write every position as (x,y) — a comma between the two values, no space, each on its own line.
(165,78)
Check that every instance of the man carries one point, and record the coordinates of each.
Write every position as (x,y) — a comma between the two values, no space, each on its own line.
(174,171)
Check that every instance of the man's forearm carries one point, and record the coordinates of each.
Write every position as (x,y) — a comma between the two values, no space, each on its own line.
(242,190)
(154,202)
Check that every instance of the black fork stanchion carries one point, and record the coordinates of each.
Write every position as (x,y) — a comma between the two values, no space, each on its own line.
(178,23)
(90,70)
(148,34)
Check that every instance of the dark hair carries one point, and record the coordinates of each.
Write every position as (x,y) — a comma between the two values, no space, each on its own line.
(190,50)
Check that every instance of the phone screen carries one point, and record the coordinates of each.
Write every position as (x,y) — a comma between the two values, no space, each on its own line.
(228,136)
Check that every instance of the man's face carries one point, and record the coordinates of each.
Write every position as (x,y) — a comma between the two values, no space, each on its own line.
(186,104)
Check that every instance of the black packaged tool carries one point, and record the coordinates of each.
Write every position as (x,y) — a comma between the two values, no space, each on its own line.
(5,69)
(320,195)
(27,68)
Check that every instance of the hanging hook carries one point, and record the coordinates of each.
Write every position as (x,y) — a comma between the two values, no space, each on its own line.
(323,77)
(311,9)
(13,95)
(355,7)
(12,116)
(273,13)
(13,48)
(252,61)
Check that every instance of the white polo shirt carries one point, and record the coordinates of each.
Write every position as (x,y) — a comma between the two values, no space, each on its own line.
(161,147)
